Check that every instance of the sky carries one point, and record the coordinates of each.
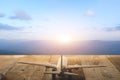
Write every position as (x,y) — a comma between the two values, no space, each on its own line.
(50,19)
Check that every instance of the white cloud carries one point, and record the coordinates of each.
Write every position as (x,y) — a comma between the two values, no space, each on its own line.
(21,15)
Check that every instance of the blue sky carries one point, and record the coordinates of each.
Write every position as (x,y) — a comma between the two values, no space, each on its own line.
(49,19)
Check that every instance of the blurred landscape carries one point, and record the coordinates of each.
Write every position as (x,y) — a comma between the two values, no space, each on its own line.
(53,47)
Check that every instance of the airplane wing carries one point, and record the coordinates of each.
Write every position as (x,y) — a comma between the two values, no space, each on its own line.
(52,72)
(57,72)
(39,64)
(83,66)
(72,74)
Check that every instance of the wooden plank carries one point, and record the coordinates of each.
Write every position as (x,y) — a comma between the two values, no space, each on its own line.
(110,72)
(106,73)
(115,60)
(53,60)
(47,76)
(17,71)
(73,60)
(6,63)
(44,59)
(90,73)
(25,72)
(38,73)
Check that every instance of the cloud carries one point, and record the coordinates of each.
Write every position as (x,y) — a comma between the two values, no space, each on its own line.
(90,13)
(116,28)
(8,27)
(21,15)
(2,15)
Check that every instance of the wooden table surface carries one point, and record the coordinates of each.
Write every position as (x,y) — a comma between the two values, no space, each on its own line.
(15,71)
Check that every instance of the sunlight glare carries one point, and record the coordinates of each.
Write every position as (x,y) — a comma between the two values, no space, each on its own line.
(65,39)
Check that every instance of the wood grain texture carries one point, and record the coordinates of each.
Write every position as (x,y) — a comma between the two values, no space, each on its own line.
(15,71)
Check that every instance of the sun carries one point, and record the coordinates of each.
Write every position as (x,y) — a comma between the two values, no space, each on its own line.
(65,39)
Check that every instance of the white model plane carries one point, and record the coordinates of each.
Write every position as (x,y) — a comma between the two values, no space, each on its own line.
(62,68)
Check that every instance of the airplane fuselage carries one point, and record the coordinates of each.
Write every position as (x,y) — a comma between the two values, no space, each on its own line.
(62,64)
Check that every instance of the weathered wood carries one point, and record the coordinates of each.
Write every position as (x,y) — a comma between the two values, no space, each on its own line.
(115,60)
(24,71)
(20,72)
(15,71)
(106,73)
(110,72)
(52,60)
(73,60)
(6,63)
(90,73)
(38,73)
